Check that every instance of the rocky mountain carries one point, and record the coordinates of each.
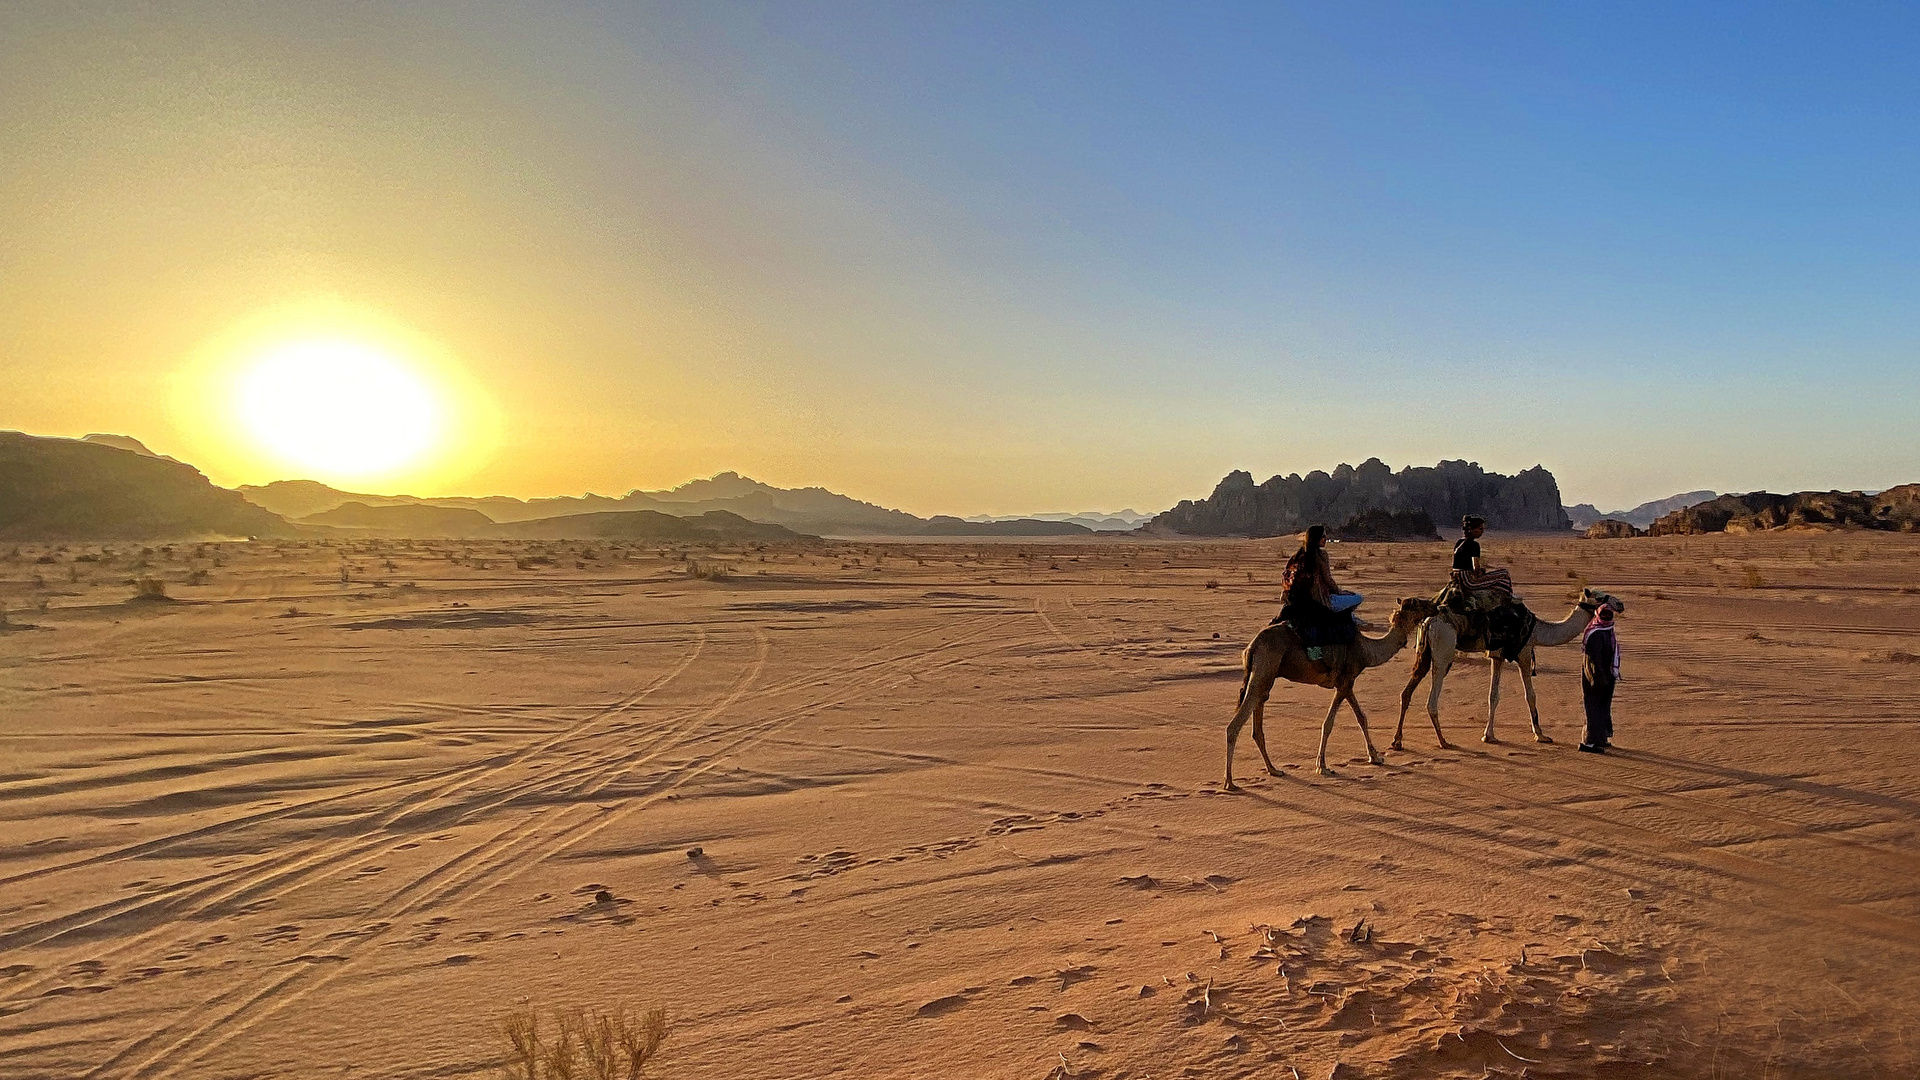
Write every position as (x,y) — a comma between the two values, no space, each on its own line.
(941,525)
(1445,492)
(1612,529)
(413,520)
(75,489)
(1097,520)
(1586,514)
(807,511)
(1896,509)
(646,525)
(123,442)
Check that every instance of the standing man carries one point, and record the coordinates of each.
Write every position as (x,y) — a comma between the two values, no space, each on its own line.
(1601,644)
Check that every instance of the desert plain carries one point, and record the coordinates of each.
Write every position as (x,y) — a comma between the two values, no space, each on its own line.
(336,809)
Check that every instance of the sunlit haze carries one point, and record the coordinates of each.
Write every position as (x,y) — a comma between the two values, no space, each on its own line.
(976,258)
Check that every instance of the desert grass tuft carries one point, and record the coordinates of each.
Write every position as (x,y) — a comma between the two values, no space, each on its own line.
(1750,577)
(149,588)
(582,1044)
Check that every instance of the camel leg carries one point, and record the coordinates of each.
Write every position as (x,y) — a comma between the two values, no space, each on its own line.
(1260,736)
(1493,696)
(1533,704)
(1253,696)
(1373,756)
(1326,730)
(1442,661)
(1422,663)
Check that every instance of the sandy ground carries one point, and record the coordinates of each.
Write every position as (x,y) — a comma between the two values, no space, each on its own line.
(959,814)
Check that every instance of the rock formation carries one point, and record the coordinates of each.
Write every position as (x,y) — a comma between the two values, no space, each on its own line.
(1896,509)
(646,525)
(1446,492)
(1612,529)
(1586,514)
(70,489)
(409,520)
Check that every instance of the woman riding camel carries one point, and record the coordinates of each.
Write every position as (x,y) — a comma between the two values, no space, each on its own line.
(1311,599)
(1470,572)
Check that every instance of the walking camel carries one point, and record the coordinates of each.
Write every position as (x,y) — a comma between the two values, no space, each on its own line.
(1446,635)
(1277,653)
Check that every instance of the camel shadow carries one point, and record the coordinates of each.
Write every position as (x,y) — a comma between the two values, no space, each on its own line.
(1778,783)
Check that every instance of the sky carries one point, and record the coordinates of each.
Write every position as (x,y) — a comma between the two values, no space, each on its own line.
(985,258)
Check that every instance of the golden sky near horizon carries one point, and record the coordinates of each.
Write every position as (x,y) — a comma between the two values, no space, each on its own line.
(951,261)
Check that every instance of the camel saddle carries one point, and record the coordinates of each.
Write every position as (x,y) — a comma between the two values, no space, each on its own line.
(1495,623)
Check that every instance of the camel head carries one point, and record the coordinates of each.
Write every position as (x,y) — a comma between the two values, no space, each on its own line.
(1595,599)
(1413,611)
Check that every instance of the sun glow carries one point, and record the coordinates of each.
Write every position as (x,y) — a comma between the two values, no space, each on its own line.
(339,408)
(324,390)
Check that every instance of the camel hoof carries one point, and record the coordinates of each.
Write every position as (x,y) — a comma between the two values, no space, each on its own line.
(1376,760)
(1445,745)
(1542,738)
(1488,739)
(1276,772)
(1324,771)
(1396,745)
(1233,788)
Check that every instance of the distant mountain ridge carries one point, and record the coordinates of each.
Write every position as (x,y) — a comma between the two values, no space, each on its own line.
(1097,520)
(810,510)
(1585,515)
(1445,493)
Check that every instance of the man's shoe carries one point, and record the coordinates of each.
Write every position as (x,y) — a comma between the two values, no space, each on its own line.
(1589,748)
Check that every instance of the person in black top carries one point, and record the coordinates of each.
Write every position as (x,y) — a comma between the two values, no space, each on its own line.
(1471,573)
(1466,553)
(1601,674)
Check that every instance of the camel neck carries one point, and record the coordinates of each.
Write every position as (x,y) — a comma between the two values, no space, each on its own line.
(1377,651)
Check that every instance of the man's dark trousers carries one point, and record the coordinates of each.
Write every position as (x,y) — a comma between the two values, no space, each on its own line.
(1599,712)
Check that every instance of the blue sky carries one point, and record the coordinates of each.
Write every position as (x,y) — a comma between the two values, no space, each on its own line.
(991,258)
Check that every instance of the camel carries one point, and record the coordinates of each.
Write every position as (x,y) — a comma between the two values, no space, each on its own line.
(1277,653)
(1445,635)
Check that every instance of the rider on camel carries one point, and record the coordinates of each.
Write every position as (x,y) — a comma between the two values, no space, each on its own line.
(1486,588)
(1313,603)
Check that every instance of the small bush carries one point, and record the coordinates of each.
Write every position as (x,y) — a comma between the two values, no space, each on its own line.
(585,1044)
(148,588)
(198,577)
(1751,578)
(708,571)
(1212,583)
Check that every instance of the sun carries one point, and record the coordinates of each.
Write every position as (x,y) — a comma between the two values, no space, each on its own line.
(339,409)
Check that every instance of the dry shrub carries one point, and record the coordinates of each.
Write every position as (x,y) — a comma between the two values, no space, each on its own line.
(1750,577)
(710,571)
(1212,583)
(148,588)
(584,1044)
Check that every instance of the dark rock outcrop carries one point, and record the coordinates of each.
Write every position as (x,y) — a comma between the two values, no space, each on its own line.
(1446,492)
(70,489)
(1896,509)
(1388,525)
(1612,529)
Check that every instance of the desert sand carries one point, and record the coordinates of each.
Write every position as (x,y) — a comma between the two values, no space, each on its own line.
(956,810)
